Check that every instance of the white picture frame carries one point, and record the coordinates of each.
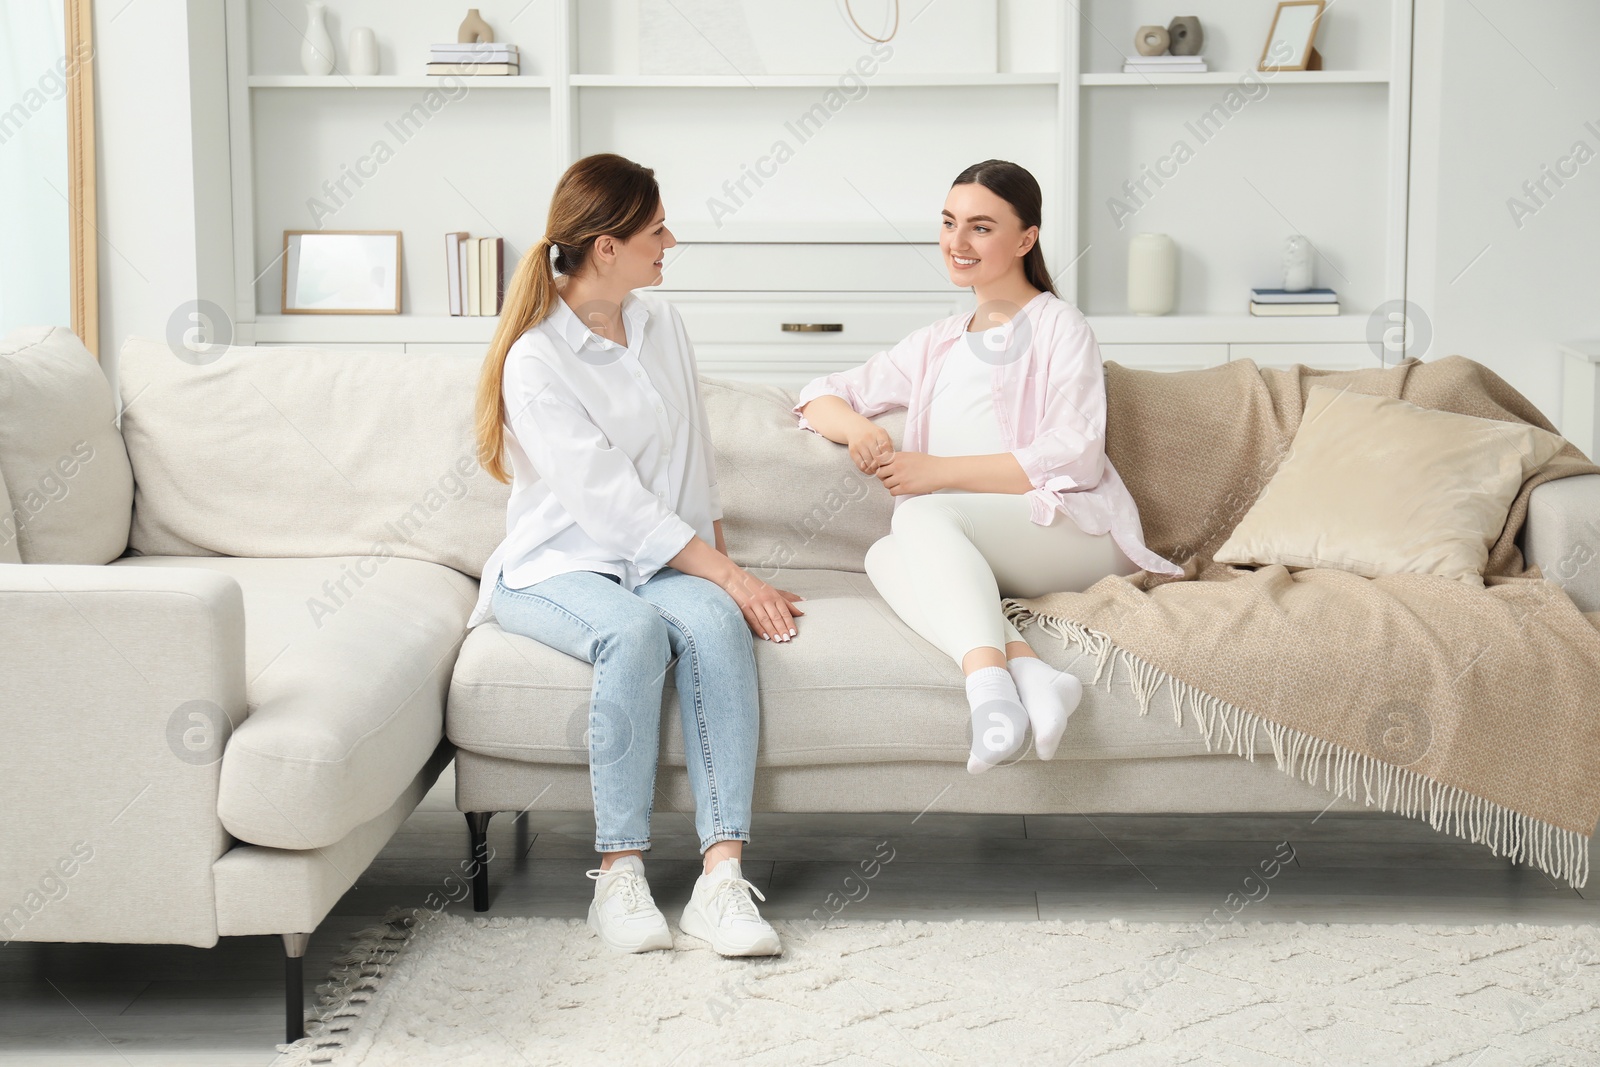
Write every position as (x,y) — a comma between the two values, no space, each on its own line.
(341,272)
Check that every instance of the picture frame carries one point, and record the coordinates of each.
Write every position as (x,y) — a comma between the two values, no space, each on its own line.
(341,272)
(1292,38)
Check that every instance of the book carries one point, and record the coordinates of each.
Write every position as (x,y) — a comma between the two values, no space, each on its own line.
(452,264)
(472,68)
(486,283)
(474,266)
(499,274)
(1164,60)
(462,247)
(472,48)
(1176,68)
(1286,296)
(1293,309)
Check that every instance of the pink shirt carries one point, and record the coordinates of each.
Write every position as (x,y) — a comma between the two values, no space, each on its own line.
(1049,398)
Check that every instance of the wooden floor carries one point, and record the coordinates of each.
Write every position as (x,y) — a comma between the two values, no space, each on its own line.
(131,1004)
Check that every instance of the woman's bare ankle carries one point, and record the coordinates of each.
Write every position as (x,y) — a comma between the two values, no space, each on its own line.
(608,858)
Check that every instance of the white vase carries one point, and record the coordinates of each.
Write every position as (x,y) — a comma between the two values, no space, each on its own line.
(316,49)
(362,56)
(1297,266)
(1152,274)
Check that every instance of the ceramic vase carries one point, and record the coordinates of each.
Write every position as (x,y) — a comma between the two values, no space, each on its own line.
(1297,272)
(473,30)
(1151,40)
(362,56)
(316,49)
(1184,36)
(1152,274)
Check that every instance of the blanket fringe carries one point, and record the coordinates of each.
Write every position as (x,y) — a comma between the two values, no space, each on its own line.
(1228,728)
(357,974)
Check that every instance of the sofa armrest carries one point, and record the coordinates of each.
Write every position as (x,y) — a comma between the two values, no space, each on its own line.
(118,688)
(1562,535)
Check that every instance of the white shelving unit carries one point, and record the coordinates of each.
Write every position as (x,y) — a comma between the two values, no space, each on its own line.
(845,229)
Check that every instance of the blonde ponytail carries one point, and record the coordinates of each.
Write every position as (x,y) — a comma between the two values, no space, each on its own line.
(598,195)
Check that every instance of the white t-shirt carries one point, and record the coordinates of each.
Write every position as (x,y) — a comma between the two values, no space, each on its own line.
(961,418)
(609,450)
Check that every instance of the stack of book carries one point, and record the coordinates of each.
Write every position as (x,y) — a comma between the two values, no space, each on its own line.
(473,58)
(1164,65)
(1285,302)
(477,270)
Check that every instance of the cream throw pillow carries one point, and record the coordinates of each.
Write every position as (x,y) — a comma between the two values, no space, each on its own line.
(1377,485)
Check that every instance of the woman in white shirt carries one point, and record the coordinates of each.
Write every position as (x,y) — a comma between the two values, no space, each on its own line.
(589,393)
(1005,432)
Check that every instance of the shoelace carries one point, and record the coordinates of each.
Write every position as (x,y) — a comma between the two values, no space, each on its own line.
(631,884)
(738,904)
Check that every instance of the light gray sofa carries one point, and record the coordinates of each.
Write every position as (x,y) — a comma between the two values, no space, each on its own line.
(233,653)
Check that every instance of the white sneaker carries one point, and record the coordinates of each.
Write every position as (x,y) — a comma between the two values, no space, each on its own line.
(720,911)
(624,913)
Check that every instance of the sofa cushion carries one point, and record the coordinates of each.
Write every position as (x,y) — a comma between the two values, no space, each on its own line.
(346,665)
(857,686)
(61,455)
(791,498)
(276,452)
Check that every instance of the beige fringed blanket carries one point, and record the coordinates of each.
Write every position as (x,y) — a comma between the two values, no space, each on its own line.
(1476,709)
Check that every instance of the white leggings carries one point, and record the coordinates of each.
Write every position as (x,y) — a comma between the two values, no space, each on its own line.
(950,557)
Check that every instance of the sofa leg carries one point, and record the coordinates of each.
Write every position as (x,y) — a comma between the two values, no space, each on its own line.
(478,827)
(294,1002)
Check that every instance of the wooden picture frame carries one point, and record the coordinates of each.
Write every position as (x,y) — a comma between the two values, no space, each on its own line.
(82,225)
(1308,58)
(347,267)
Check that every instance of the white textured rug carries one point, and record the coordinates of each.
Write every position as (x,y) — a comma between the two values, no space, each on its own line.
(442,989)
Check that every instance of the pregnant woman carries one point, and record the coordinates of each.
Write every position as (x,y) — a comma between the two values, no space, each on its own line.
(1003,488)
(589,396)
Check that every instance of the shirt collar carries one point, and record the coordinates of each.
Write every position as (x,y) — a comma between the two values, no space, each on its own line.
(572,330)
(1030,309)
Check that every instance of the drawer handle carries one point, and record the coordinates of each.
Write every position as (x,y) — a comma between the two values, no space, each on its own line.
(813,327)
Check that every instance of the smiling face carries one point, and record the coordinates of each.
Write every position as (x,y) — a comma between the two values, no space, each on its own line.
(638,261)
(981,236)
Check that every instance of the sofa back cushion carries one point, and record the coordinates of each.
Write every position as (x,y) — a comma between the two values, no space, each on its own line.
(61,457)
(790,497)
(285,452)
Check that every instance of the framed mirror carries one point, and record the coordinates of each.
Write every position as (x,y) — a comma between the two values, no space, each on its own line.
(47,168)
(341,272)
(1292,37)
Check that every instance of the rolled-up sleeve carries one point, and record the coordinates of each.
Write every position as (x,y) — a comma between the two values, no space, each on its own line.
(594,482)
(1069,450)
(881,383)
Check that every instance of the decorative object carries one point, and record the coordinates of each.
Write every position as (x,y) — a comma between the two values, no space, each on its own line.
(473,30)
(1152,274)
(362,56)
(1104,986)
(341,272)
(894,29)
(1293,33)
(1298,269)
(1340,500)
(316,46)
(1151,40)
(1184,35)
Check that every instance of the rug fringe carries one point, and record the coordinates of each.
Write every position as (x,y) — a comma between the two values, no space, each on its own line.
(1228,728)
(357,974)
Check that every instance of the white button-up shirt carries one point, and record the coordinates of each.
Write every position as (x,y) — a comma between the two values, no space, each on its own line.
(611,460)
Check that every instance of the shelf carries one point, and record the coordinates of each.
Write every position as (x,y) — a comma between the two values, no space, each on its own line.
(802,81)
(1234,77)
(394,81)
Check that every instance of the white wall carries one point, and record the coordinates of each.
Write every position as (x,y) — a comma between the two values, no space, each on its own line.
(1501,89)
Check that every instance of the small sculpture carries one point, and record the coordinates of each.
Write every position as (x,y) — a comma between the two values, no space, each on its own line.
(474,30)
(1151,40)
(1297,272)
(1184,35)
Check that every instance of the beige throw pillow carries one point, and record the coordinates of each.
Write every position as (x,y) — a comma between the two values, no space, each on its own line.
(1377,485)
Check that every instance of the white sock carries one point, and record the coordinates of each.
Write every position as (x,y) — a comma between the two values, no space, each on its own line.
(1051,696)
(999,720)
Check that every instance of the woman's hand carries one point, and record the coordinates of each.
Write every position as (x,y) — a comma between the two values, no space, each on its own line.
(769,611)
(869,445)
(910,473)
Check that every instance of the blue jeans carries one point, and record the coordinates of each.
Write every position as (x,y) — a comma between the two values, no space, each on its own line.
(633,639)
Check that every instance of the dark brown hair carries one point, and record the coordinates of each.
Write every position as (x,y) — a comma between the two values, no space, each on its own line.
(1017,187)
(598,195)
